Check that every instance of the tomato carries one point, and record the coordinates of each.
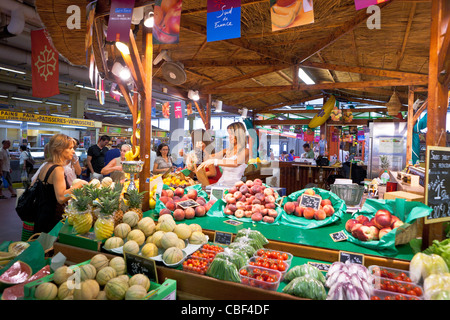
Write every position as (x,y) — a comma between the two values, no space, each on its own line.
(391,288)
(281,267)
(260,252)
(388,298)
(274,266)
(244,272)
(412,293)
(375,298)
(284,256)
(418,291)
(401,289)
(265,265)
(400,297)
(270,279)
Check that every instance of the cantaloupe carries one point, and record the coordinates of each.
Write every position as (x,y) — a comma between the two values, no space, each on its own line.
(122,230)
(123,277)
(165,217)
(87,290)
(87,271)
(140,279)
(113,243)
(106,181)
(147,226)
(62,274)
(131,246)
(99,261)
(101,295)
(183,231)
(136,235)
(197,237)
(131,218)
(149,250)
(105,274)
(46,291)
(135,292)
(172,255)
(118,263)
(167,225)
(66,289)
(156,238)
(195,227)
(181,244)
(116,289)
(169,239)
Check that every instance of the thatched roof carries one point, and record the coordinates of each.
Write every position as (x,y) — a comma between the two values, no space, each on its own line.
(256,71)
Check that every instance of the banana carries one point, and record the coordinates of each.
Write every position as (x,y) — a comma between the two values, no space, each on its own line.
(129,155)
(137,153)
(138,133)
(138,118)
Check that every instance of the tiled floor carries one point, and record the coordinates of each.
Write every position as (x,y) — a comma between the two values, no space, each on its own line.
(10,223)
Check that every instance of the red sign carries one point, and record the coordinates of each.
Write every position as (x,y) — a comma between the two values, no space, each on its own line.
(44,66)
(177,109)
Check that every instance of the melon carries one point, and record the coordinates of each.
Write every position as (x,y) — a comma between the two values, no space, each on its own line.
(66,289)
(156,238)
(131,218)
(118,263)
(165,217)
(197,237)
(167,225)
(106,181)
(87,290)
(122,230)
(46,291)
(195,227)
(149,250)
(183,231)
(61,274)
(147,226)
(131,246)
(140,279)
(181,244)
(18,247)
(113,242)
(116,289)
(101,295)
(87,271)
(169,239)
(123,277)
(105,274)
(135,292)
(19,272)
(136,235)
(99,261)
(172,255)
(94,182)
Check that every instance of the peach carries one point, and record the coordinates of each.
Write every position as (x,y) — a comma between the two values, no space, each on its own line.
(201,201)
(192,194)
(244,189)
(171,205)
(232,190)
(178,214)
(170,193)
(320,215)
(264,211)
(329,210)
(325,202)
(240,205)
(268,192)
(349,224)
(163,193)
(164,211)
(208,206)
(256,201)
(227,211)
(239,184)
(272,213)
(248,213)
(237,194)
(249,183)
(230,199)
(257,181)
(260,196)
(308,213)
(189,213)
(232,207)
(364,233)
(179,192)
(164,199)
(176,198)
(242,198)
(269,199)
(310,192)
(268,219)
(257,216)
(383,232)
(299,211)
(289,207)
(239,213)
(270,205)
(382,219)
(200,211)
(255,189)
(185,198)
(256,208)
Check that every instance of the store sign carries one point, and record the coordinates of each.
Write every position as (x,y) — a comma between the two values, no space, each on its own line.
(32,117)
(177,109)
(120,20)
(223,20)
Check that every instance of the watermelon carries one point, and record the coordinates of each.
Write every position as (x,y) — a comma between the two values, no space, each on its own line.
(15,292)
(19,272)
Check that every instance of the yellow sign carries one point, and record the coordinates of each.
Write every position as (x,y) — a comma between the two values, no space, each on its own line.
(21,116)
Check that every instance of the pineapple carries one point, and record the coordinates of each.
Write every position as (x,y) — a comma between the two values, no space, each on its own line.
(108,203)
(134,201)
(82,217)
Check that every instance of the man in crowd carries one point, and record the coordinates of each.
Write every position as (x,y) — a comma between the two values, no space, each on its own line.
(5,165)
(309,153)
(96,157)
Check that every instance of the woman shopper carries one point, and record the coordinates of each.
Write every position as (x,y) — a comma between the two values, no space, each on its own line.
(73,169)
(54,189)
(114,167)
(25,165)
(163,161)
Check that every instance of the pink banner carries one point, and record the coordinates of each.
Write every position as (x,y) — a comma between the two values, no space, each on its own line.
(177,109)
(361,4)
(120,20)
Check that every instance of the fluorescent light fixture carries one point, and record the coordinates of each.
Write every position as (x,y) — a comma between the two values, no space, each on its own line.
(33,123)
(73,127)
(13,121)
(96,110)
(149,20)
(193,95)
(123,48)
(12,70)
(60,115)
(27,100)
(87,88)
(2,96)
(120,71)
(304,77)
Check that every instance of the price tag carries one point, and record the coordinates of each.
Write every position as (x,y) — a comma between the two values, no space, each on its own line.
(223,237)
(338,236)
(321,266)
(310,201)
(351,257)
(233,222)
(188,204)
(137,264)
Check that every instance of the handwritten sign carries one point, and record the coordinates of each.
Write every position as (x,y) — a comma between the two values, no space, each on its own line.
(223,20)
(188,204)
(233,222)
(338,236)
(351,257)
(437,184)
(223,237)
(321,266)
(310,201)
(138,264)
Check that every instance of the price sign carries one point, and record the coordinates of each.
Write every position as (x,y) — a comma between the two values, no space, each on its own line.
(321,266)
(310,201)
(188,204)
(437,184)
(138,264)
(338,236)
(223,237)
(351,257)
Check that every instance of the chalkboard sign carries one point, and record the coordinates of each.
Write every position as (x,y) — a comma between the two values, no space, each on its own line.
(188,204)
(139,264)
(338,236)
(310,201)
(321,266)
(437,184)
(351,257)
(223,237)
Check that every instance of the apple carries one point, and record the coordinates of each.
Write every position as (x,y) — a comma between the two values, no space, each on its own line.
(178,214)
(299,211)
(320,214)
(361,219)
(257,217)
(355,229)
(396,222)
(308,213)
(329,210)
(384,231)
(364,233)
(239,213)
(349,224)
(325,202)
(310,192)
(375,232)
(289,207)
(382,219)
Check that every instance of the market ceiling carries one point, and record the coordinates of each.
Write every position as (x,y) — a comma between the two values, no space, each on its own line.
(258,71)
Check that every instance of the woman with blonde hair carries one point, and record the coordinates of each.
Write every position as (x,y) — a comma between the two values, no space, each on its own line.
(233,160)
(53,194)
(114,167)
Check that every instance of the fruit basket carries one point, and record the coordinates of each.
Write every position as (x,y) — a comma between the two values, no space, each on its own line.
(350,193)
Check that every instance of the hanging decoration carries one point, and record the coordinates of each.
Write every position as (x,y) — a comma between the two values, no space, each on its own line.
(189,109)
(119,21)
(308,135)
(394,105)
(90,14)
(167,15)
(223,20)
(336,114)
(166,110)
(291,13)
(348,116)
(44,65)
(177,109)
(362,4)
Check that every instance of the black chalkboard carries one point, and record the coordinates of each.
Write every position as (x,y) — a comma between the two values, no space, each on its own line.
(310,201)
(223,237)
(139,264)
(188,204)
(351,257)
(321,266)
(338,236)
(437,187)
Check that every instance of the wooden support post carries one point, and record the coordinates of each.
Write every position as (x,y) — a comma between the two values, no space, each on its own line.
(208,113)
(410,125)
(437,105)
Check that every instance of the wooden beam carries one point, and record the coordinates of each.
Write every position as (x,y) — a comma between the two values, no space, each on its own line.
(401,53)
(305,111)
(287,103)
(213,63)
(362,122)
(410,124)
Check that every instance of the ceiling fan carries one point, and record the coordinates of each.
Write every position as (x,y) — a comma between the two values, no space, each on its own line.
(172,71)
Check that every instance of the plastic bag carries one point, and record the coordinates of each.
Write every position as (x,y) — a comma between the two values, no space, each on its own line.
(223,269)
(306,287)
(437,286)
(304,269)
(244,248)
(238,259)
(423,265)
(253,234)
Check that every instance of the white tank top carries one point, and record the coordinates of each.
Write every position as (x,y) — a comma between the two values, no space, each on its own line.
(231,175)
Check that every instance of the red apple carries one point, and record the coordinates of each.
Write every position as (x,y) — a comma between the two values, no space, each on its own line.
(329,210)
(325,202)
(349,224)
(320,214)
(355,229)
(396,222)
(383,232)
(289,207)
(308,213)
(364,233)
(375,232)
(361,219)
(382,219)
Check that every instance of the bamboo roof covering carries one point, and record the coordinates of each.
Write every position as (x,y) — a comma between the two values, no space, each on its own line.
(258,70)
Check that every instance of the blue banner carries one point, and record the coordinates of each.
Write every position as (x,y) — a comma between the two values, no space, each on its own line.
(223,20)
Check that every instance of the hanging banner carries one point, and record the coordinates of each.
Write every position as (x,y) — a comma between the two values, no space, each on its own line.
(114,92)
(362,4)
(291,13)
(44,66)
(167,15)
(119,22)
(166,110)
(90,14)
(189,109)
(153,111)
(177,109)
(223,20)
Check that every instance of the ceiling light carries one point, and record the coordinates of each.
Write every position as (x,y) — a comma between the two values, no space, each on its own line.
(120,71)
(33,123)
(13,121)
(304,77)
(73,127)
(27,100)
(12,70)
(123,48)
(149,20)
(218,105)
(193,95)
